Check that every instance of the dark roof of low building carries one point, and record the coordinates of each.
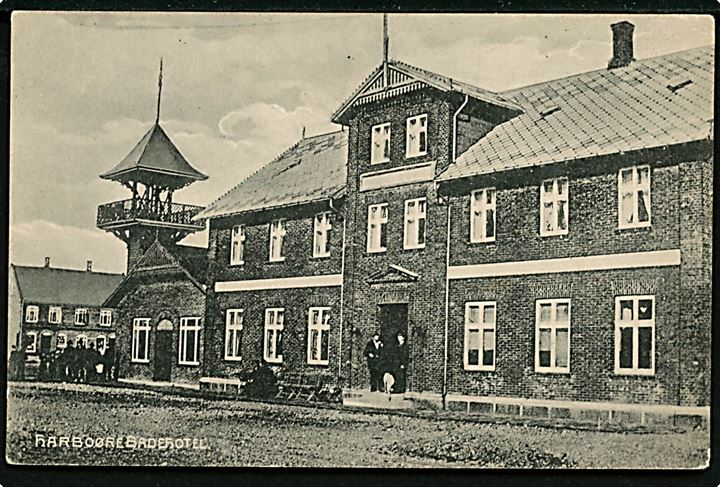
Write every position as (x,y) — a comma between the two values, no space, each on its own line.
(154,153)
(49,285)
(311,170)
(651,103)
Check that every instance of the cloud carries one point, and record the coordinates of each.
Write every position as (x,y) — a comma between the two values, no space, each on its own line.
(67,246)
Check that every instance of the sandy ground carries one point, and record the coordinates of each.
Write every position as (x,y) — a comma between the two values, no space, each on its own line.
(236,433)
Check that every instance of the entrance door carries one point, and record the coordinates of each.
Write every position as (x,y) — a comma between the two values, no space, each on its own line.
(45,343)
(163,356)
(393,320)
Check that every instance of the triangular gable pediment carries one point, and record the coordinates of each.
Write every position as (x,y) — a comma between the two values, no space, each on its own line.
(393,274)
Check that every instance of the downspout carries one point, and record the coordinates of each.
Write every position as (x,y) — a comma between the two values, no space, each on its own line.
(447,309)
(342,294)
(454,141)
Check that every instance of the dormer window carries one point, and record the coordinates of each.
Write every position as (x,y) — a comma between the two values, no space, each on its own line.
(416,142)
(380,143)
(277,237)
(321,238)
(237,245)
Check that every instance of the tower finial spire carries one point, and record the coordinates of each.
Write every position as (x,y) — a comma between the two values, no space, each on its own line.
(386,48)
(157,115)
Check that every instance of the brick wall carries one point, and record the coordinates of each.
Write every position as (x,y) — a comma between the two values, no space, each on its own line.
(592,339)
(170,298)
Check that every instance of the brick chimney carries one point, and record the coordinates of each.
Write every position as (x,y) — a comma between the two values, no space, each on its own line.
(622,44)
(89,266)
(47,261)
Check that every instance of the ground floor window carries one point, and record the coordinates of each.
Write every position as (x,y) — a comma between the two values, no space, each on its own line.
(140,339)
(480,335)
(552,335)
(188,342)
(274,326)
(61,340)
(233,334)
(31,342)
(635,335)
(318,335)
(81,341)
(100,343)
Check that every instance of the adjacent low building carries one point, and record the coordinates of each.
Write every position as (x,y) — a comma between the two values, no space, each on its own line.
(49,307)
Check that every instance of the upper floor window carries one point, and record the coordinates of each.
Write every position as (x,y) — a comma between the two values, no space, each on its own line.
(237,244)
(31,314)
(105,317)
(480,336)
(274,326)
(55,315)
(554,207)
(188,343)
(81,316)
(552,335)
(233,334)
(482,215)
(415,216)
(634,197)
(380,143)
(318,335)
(416,142)
(277,238)
(377,228)
(321,235)
(635,335)
(140,340)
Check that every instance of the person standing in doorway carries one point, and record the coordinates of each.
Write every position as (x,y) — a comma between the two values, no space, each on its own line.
(373,354)
(401,362)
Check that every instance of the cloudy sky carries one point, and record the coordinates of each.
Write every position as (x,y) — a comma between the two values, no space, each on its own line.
(238,88)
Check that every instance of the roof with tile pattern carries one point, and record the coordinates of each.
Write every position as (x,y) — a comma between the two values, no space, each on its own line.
(650,103)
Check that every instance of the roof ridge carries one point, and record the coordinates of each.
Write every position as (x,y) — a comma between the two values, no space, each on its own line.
(64,269)
(600,70)
(272,161)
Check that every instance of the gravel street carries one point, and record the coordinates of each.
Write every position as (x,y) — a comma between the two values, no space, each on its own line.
(71,424)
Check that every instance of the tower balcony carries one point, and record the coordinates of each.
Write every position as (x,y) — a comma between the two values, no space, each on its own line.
(132,212)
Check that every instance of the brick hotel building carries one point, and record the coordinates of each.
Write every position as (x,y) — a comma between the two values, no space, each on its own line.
(545,246)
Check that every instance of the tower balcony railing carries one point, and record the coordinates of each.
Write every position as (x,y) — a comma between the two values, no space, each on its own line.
(154,211)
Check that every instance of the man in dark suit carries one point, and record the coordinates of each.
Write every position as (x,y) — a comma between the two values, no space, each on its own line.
(401,362)
(373,353)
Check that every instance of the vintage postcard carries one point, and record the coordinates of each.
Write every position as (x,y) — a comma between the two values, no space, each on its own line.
(360,240)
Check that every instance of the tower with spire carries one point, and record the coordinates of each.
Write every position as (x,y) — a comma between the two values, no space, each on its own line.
(153,170)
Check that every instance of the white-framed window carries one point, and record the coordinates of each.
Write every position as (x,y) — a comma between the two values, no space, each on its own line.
(188,342)
(480,320)
(482,215)
(31,342)
(321,234)
(273,342)
(55,315)
(31,313)
(100,343)
(140,340)
(277,237)
(415,217)
(61,340)
(81,340)
(554,207)
(318,336)
(634,197)
(635,335)
(416,141)
(105,317)
(237,245)
(552,335)
(380,143)
(377,228)
(81,316)
(233,334)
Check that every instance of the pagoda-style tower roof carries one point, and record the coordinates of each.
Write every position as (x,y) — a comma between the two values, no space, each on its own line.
(155,160)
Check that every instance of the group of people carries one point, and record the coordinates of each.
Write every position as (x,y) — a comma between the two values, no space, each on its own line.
(387,364)
(74,363)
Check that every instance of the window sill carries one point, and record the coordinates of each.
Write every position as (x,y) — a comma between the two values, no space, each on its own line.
(552,371)
(483,241)
(319,363)
(377,163)
(274,361)
(237,264)
(276,261)
(321,256)
(643,226)
(377,251)
(233,359)
(554,234)
(413,156)
(415,247)
(634,373)
(139,361)
(188,364)
(479,368)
